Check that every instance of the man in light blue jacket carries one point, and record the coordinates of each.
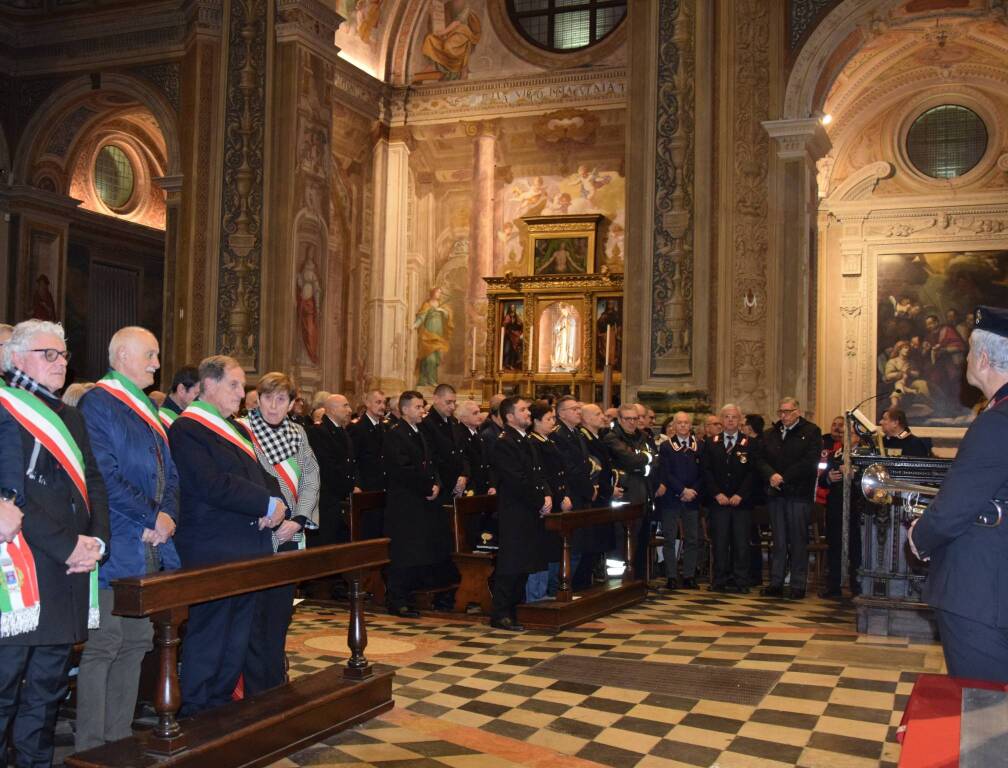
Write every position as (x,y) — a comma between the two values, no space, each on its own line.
(131,449)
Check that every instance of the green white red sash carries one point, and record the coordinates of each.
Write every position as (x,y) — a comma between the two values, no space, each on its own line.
(208,416)
(45,426)
(20,602)
(167,416)
(130,395)
(19,592)
(288,471)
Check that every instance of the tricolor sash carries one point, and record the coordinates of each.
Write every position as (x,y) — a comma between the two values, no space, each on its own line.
(20,602)
(167,416)
(208,416)
(130,395)
(289,471)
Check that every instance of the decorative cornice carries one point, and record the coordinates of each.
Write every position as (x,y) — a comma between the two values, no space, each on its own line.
(308,22)
(512,97)
(366,95)
(799,139)
(519,283)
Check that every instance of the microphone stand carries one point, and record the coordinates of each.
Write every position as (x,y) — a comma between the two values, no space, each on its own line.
(847,477)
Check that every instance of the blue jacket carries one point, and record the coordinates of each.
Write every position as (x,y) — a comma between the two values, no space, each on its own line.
(125,451)
(679,469)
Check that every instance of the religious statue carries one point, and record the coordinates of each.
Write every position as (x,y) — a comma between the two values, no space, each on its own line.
(564,358)
(434,320)
(309,292)
(609,324)
(43,304)
(449,46)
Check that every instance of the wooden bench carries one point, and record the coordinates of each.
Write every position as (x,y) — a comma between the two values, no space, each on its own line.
(264,728)
(366,510)
(570,609)
(475,568)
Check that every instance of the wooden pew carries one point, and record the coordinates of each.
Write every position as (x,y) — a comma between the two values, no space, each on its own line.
(475,568)
(365,509)
(569,610)
(263,728)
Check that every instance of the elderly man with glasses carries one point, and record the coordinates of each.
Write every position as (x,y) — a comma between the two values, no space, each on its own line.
(789,462)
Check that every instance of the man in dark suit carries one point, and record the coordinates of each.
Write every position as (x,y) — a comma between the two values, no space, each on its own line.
(960,534)
(367,434)
(477,456)
(65,530)
(493,425)
(594,425)
(680,482)
(338,470)
(413,519)
(573,450)
(628,451)
(730,475)
(789,463)
(523,498)
(897,439)
(229,506)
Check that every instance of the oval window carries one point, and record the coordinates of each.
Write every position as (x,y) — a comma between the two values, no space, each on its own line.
(113,176)
(946,141)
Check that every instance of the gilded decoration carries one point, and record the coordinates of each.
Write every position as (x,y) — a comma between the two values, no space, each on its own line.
(238,291)
(672,266)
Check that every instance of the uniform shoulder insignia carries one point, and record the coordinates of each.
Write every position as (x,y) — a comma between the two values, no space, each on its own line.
(717,438)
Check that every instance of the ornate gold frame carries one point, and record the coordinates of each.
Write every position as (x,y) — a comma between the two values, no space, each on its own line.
(544,228)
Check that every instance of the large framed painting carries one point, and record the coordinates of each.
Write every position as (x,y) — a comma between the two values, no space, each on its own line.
(608,329)
(561,245)
(560,329)
(511,327)
(924,319)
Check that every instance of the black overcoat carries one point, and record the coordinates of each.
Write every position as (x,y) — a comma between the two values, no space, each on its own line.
(521,492)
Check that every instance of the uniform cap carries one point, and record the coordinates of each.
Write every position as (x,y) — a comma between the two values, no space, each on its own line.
(992,319)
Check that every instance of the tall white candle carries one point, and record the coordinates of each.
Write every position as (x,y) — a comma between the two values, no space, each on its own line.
(500,357)
(531,335)
(608,336)
(474,349)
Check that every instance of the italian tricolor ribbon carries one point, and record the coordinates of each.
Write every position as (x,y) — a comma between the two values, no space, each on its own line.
(167,416)
(207,415)
(130,395)
(20,601)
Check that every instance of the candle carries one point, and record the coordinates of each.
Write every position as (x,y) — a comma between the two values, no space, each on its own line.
(473,349)
(531,336)
(608,335)
(500,357)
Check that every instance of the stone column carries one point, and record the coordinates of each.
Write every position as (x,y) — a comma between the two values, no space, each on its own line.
(195,265)
(389,319)
(794,201)
(172,185)
(481,232)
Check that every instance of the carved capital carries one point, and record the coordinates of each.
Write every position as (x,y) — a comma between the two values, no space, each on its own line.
(479,128)
(799,139)
(310,23)
(204,16)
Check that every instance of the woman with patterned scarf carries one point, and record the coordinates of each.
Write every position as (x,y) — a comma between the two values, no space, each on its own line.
(283,451)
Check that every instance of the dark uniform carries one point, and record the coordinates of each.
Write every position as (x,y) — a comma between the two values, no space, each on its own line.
(477,457)
(832,456)
(416,526)
(573,449)
(552,464)
(729,469)
(334,451)
(793,454)
(629,458)
(367,440)
(679,463)
(906,444)
(967,581)
(603,537)
(521,492)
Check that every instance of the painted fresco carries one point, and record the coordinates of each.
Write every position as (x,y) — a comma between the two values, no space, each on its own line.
(359,37)
(925,310)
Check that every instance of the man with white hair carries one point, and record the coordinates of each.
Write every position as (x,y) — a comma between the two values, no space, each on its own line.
(789,462)
(5,334)
(962,533)
(63,537)
(367,434)
(336,457)
(130,445)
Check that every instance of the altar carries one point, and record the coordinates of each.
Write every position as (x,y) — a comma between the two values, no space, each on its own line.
(555,328)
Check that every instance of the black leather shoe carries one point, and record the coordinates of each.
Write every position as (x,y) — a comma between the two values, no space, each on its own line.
(797,594)
(690,584)
(405,612)
(772,591)
(510,626)
(830,594)
(671,584)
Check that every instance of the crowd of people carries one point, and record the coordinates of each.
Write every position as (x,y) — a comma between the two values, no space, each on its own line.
(212,470)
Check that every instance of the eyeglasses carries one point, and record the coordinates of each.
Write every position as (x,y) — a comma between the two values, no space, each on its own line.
(51,354)
(784,411)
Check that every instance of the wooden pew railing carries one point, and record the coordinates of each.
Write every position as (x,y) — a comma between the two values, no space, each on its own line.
(165,599)
(364,517)
(474,567)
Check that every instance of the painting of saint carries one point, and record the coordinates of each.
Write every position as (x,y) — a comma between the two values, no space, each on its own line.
(309,290)
(512,331)
(561,256)
(925,310)
(434,323)
(450,43)
(560,336)
(608,314)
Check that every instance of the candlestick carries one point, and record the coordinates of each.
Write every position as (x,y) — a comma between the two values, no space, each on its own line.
(530,345)
(473,366)
(500,356)
(608,334)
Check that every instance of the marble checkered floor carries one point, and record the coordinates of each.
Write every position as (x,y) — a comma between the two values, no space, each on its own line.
(467,695)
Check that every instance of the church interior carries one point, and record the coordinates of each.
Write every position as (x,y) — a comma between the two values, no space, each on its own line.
(682,203)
